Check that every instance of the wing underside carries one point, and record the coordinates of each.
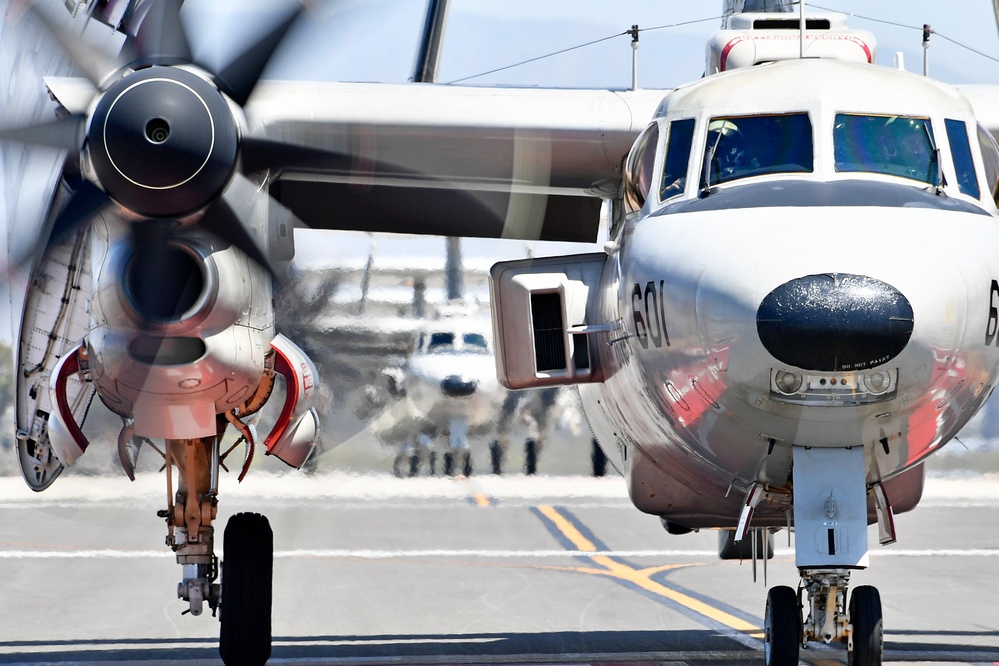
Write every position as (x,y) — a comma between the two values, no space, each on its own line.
(444,160)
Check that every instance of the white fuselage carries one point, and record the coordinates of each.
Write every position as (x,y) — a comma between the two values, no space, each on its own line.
(690,396)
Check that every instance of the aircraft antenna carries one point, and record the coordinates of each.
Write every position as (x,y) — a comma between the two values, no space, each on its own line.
(801,29)
(927,31)
(634,56)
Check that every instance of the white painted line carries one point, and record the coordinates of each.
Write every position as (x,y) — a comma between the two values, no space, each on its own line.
(371,554)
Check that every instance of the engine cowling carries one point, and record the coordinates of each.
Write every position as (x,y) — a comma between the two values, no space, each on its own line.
(296,432)
(171,347)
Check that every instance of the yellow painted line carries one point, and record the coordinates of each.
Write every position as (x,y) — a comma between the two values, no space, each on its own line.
(480,499)
(567,529)
(641,577)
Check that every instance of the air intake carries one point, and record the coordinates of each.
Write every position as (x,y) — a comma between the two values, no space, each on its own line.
(549,340)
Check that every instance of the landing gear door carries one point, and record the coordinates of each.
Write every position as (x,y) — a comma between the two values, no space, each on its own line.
(540,311)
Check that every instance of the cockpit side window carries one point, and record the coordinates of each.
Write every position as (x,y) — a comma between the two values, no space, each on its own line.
(679,142)
(474,342)
(639,166)
(440,342)
(964,164)
(890,145)
(743,146)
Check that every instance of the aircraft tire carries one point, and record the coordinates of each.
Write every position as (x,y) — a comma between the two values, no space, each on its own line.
(868,629)
(466,463)
(530,457)
(247,573)
(782,627)
(448,464)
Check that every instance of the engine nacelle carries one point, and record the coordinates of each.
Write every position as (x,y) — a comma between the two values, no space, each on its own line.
(172,356)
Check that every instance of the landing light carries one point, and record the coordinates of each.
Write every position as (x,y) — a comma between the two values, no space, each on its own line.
(877,382)
(787,383)
(833,389)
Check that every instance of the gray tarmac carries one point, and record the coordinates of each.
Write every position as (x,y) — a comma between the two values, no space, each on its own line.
(552,569)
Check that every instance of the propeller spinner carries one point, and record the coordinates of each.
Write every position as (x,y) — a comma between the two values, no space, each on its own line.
(161,140)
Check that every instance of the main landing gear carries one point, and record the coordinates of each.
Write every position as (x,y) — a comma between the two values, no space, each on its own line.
(244,596)
(247,572)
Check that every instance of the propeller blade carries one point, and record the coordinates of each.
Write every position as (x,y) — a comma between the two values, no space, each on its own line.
(156,266)
(238,79)
(85,202)
(66,133)
(227,218)
(160,38)
(88,59)
(259,155)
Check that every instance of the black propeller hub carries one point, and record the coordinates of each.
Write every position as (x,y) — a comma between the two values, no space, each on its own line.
(163,142)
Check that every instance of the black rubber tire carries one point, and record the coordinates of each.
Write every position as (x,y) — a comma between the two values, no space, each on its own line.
(782,627)
(448,464)
(466,463)
(599,459)
(414,464)
(530,457)
(496,457)
(247,577)
(868,627)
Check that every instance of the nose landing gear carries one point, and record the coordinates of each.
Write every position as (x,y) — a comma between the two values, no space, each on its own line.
(859,626)
(830,525)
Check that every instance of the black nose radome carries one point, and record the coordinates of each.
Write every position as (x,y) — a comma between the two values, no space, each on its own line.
(834,322)
(457,387)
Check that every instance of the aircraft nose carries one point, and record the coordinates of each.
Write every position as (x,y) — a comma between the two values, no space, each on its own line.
(834,322)
(455,386)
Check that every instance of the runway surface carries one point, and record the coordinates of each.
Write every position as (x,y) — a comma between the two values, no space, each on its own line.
(370,569)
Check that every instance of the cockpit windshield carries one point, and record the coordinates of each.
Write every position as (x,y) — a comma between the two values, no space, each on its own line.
(744,146)
(447,342)
(890,145)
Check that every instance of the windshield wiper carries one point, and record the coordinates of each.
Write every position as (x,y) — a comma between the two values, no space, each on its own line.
(709,159)
(935,163)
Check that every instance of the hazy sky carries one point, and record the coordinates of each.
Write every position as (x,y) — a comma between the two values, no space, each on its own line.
(376,40)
